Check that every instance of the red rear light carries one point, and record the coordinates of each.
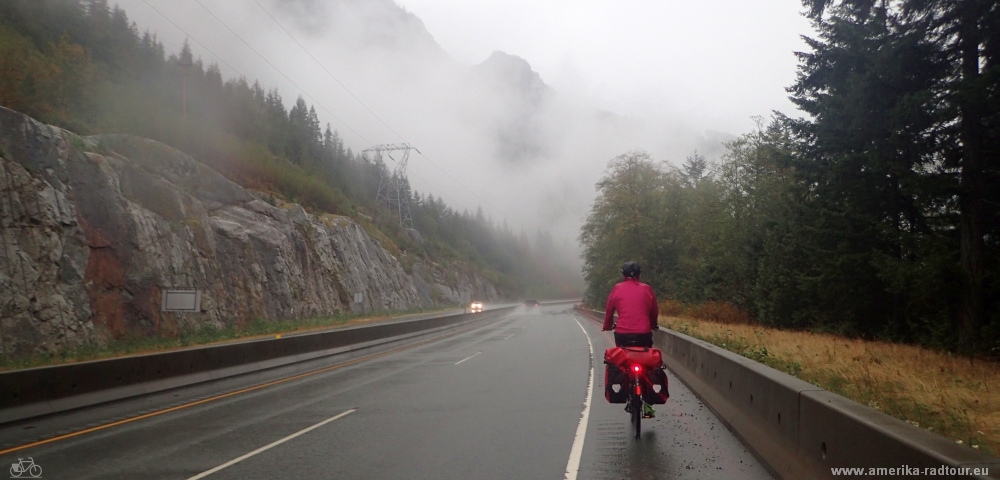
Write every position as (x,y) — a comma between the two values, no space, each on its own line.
(636,368)
(638,390)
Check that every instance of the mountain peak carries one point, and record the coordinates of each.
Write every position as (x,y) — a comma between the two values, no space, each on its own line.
(515,72)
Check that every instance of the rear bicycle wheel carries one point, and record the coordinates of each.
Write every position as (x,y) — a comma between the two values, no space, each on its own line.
(636,415)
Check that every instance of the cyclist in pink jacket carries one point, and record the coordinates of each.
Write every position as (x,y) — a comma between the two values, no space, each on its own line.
(635,303)
(637,310)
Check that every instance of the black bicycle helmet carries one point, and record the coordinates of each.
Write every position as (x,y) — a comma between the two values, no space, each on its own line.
(631,270)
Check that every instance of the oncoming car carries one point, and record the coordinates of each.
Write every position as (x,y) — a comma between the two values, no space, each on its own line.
(476,307)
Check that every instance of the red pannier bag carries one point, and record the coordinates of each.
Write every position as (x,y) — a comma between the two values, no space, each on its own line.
(654,387)
(649,358)
(615,384)
(655,390)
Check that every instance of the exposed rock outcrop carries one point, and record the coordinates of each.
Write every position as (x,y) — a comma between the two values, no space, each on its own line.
(93,230)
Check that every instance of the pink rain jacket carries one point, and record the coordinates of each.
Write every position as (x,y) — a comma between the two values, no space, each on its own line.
(635,303)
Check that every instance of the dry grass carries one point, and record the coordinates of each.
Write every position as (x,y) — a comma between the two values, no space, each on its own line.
(954,396)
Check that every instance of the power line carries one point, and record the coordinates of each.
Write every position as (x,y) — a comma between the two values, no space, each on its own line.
(202,45)
(192,38)
(304,92)
(219,58)
(328,72)
(320,104)
(355,97)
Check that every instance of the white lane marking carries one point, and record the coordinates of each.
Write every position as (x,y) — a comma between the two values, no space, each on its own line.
(508,336)
(268,446)
(576,453)
(467,358)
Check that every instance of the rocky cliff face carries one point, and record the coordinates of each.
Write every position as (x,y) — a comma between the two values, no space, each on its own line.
(93,230)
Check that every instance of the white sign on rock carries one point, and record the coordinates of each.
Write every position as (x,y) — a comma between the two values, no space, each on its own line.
(181,301)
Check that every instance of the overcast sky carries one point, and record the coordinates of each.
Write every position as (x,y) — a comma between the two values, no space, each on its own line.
(720,61)
(679,75)
(716,62)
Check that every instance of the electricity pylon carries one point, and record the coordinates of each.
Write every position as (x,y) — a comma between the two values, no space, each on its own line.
(393,193)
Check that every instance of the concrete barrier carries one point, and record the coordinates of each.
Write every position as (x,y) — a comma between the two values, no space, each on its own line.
(800,430)
(559,302)
(40,391)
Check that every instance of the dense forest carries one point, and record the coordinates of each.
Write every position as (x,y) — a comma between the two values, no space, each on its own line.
(84,66)
(877,215)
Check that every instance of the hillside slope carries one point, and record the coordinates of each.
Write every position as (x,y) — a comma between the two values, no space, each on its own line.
(94,229)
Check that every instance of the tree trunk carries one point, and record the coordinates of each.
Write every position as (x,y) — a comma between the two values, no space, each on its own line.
(972,136)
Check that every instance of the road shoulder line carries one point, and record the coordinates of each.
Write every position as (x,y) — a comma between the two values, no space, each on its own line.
(576,453)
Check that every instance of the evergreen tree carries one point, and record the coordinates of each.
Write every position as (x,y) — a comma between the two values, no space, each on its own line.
(939,75)
(694,169)
(82,64)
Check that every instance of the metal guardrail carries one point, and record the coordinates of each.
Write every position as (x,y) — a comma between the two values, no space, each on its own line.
(798,429)
(41,391)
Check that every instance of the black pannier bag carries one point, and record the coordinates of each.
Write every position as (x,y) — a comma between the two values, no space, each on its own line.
(615,384)
(654,388)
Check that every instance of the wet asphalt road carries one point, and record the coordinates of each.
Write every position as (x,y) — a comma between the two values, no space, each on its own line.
(500,399)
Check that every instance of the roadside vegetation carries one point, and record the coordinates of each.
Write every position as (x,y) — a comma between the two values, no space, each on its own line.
(871,217)
(858,247)
(951,395)
(204,335)
(84,66)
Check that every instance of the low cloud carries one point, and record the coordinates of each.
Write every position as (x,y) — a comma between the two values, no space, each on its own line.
(522,150)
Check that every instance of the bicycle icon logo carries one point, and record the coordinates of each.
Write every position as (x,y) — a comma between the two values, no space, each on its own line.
(25,469)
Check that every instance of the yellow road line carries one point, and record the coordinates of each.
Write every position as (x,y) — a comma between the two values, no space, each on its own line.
(217,397)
